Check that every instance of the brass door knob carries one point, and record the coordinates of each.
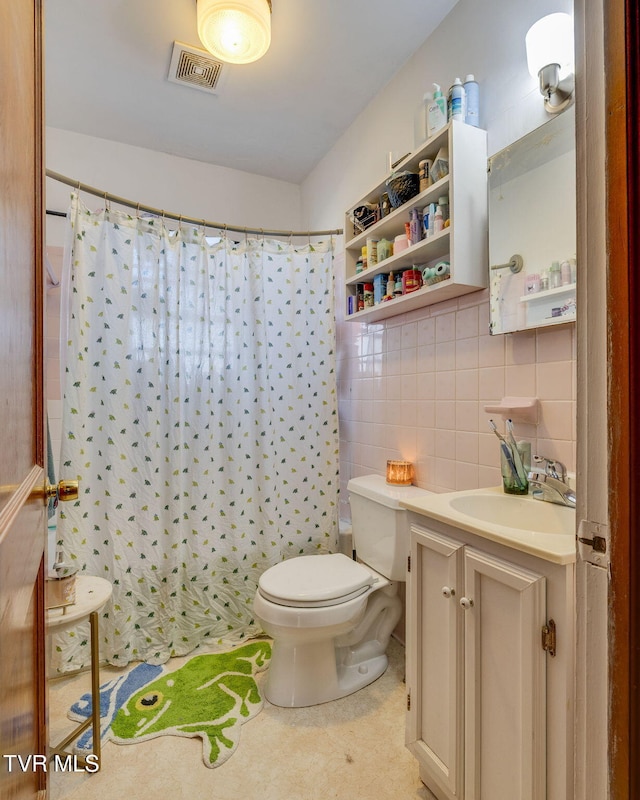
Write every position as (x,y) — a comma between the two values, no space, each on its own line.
(63,490)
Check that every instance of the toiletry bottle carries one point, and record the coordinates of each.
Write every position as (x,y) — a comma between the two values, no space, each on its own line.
(455,101)
(565,273)
(428,99)
(425,222)
(443,202)
(391,284)
(544,281)
(424,168)
(555,276)
(397,289)
(415,226)
(437,112)
(368,295)
(472,98)
(372,252)
(438,221)
(432,218)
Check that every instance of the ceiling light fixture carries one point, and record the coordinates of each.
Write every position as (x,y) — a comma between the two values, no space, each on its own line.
(550,58)
(236,31)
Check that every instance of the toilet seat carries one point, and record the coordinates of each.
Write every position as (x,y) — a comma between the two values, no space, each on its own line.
(315,581)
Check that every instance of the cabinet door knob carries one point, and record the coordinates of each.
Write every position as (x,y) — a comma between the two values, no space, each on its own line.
(447,591)
(466,602)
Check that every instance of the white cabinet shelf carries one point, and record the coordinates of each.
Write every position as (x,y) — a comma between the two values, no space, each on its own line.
(541,296)
(463,243)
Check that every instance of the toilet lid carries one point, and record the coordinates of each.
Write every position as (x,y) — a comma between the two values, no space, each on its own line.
(315,580)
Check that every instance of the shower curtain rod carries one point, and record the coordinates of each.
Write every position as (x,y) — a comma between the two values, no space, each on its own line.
(112,198)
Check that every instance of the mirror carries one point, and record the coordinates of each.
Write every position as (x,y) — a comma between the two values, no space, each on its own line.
(532,229)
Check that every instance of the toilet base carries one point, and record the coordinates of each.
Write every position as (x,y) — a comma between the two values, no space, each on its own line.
(307,675)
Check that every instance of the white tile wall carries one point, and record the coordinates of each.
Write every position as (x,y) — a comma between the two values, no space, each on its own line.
(414,387)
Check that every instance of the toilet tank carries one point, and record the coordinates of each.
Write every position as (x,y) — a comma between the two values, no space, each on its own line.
(380,525)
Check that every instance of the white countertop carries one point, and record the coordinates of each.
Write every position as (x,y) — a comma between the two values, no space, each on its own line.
(91,594)
(560,548)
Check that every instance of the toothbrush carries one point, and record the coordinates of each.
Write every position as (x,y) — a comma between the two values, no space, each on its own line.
(508,454)
(522,475)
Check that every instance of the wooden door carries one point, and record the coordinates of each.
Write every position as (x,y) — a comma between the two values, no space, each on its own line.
(505,680)
(435,661)
(22,450)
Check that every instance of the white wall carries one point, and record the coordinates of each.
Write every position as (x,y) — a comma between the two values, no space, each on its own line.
(179,185)
(483,37)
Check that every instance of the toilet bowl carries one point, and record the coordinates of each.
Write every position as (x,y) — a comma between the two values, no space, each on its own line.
(331,616)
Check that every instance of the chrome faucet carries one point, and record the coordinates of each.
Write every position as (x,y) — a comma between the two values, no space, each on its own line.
(548,481)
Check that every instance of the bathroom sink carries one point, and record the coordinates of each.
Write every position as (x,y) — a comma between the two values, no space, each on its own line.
(521,522)
(514,511)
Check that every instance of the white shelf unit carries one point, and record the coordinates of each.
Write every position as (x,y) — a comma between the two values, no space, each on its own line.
(463,243)
(539,306)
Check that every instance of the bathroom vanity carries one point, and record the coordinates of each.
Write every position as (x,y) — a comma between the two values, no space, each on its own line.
(490,646)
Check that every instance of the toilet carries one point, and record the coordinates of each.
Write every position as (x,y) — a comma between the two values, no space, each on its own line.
(331,616)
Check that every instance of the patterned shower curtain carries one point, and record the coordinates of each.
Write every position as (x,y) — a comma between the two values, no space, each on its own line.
(200,418)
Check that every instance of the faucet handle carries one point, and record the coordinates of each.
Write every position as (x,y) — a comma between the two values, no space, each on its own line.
(552,468)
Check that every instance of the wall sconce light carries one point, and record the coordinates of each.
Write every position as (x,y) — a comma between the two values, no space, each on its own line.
(236,31)
(550,58)
(400,473)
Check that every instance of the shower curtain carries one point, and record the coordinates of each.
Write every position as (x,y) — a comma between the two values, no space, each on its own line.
(200,418)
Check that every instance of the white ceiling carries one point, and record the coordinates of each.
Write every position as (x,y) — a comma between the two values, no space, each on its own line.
(107,63)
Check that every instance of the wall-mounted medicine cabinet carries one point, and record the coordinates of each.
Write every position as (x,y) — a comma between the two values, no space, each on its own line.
(532,224)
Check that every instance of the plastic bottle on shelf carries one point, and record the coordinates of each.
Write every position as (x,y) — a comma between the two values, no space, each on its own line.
(438,221)
(437,111)
(425,222)
(391,284)
(455,101)
(555,276)
(443,202)
(368,295)
(372,252)
(415,226)
(472,98)
(565,273)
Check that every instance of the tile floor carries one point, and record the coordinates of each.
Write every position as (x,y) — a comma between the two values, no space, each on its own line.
(350,749)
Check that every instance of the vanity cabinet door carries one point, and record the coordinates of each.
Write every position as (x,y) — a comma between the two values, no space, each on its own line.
(476,671)
(504,680)
(435,661)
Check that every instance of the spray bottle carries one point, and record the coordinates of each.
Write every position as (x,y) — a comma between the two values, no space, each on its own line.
(472,97)
(455,102)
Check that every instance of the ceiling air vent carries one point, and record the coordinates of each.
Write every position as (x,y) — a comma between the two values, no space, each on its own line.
(194,67)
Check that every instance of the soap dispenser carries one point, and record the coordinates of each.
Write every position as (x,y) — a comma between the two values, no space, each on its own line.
(437,111)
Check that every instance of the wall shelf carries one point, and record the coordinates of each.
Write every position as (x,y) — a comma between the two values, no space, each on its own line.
(463,243)
(537,296)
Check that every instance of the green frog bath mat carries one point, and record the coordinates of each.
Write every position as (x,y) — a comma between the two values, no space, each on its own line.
(210,696)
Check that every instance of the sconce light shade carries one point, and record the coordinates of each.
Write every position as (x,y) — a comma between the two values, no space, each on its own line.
(235,31)
(550,58)
(400,473)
